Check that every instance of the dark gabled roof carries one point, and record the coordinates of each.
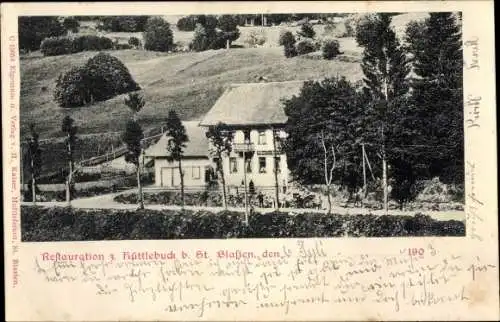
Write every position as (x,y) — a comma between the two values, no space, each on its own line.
(252,104)
(196,147)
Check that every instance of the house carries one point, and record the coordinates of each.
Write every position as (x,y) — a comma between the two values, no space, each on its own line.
(255,114)
(195,162)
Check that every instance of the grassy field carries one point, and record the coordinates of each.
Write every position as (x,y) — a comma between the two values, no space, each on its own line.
(189,83)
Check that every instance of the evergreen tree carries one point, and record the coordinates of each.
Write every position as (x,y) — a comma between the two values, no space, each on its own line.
(220,144)
(177,139)
(133,140)
(437,90)
(385,67)
(70,132)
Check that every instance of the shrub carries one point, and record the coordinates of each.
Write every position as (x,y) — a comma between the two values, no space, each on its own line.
(134,41)
(307,31)
(331,49)
(122,46)
(73,88)
(102,77)
(256,38)
(287,39)
(55,46)
(158,35)
(71,24)
(91,43)
(305,46)
(108,77)
(57,224)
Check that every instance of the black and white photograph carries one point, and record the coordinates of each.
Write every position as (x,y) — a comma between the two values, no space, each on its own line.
(223,126)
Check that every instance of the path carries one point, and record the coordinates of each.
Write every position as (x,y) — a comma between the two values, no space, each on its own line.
(107,202)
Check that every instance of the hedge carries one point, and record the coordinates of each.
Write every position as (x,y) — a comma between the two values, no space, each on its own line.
(55,46)
(67,224)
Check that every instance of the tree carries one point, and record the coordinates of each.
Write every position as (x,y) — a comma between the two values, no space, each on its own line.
(157,35)
(328,114)
(329,167)
(101,78)
(133,137)
(70,132)
(200,40)
(187,23)
(34,29)
(307,31)
(287,40)
(177,139)
(330,49)
(71,24)
(437,92)
(228,24)
(385,67)
(220,138)
(134,41)
(34,160)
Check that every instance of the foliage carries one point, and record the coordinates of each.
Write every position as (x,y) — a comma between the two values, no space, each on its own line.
(436,49)
(305,46)
(287,40)
(134,41)
(178,138)
(91,43)
(63,45)
(229,27)
(55,46)
(333,106)
(213,32)
(187,23)
(132,138)
(220,139)
(123,23)
(71,24)
(135,102)
(307,31)
(34,29)
(66,224)
(73,88)
(157,35)
(256,38)
(331,49)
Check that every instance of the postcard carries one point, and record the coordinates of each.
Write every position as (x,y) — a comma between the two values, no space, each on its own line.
(250,161)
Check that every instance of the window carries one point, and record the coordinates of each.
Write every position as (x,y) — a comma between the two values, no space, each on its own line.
(248,165)
(233,165)
(262,165)
(262,137)
(196,172)
(246,136)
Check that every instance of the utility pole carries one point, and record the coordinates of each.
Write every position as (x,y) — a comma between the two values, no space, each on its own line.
(275,169)
(245,185)
(364,168)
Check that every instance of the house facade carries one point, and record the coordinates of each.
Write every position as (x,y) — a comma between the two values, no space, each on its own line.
(254,113)
(195,162)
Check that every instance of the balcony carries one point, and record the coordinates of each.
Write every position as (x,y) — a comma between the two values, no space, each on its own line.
(243,147)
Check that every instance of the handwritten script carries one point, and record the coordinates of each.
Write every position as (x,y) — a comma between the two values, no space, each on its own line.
(286,279)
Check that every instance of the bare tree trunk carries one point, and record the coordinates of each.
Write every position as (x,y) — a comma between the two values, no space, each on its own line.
(140,196)
(33,182)
(328,174)
(329,198)
(223,181)
(181,174)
